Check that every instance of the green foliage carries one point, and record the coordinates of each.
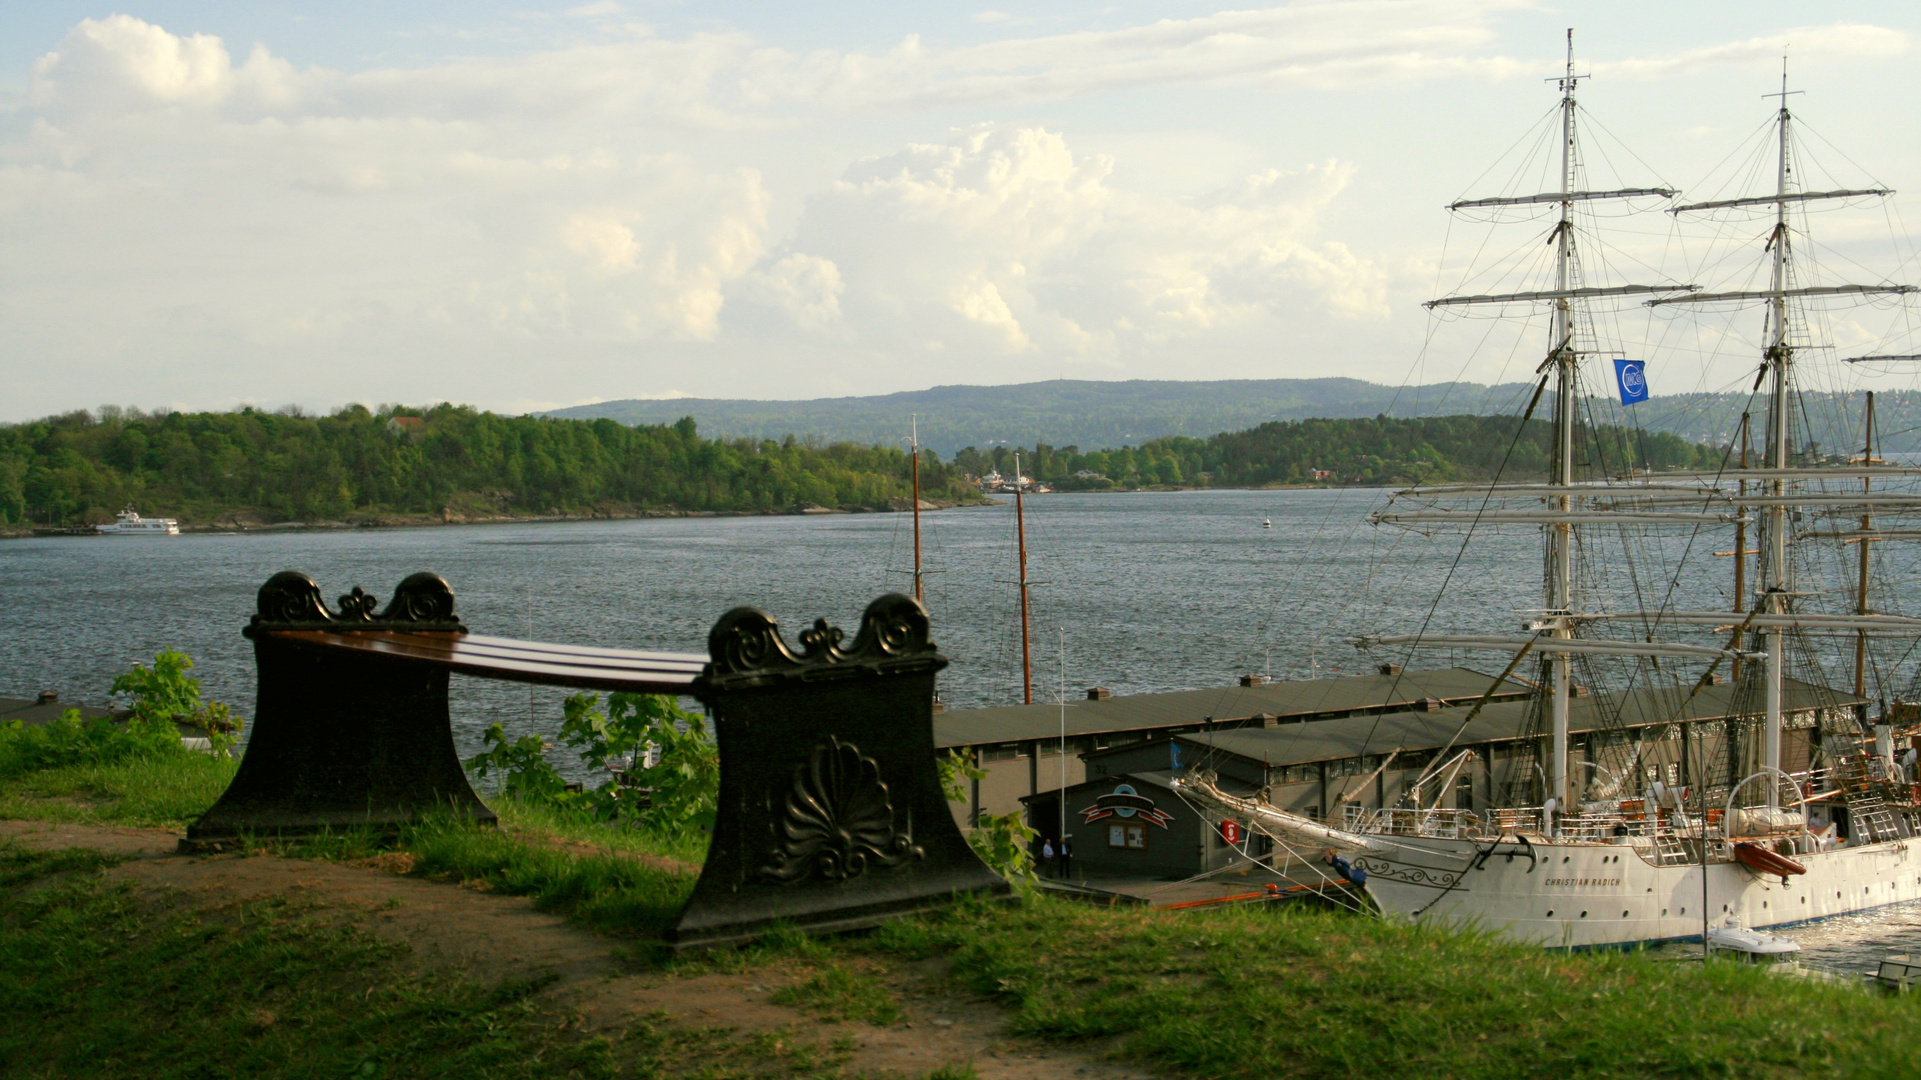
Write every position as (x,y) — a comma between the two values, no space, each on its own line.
(684,782)
(79,468)
(1003,841)
(521,766)
(682,785)
(67,740)
(164,693)
(1006,843)
(1381,450)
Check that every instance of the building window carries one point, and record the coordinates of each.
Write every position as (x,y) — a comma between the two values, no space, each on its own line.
(1127,836)
(1003,752)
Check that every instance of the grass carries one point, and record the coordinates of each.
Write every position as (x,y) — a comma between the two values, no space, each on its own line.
(1242,993)
(836,992)
(1262,993)
(555,824)
(97,981)
(162,792)
(603,890)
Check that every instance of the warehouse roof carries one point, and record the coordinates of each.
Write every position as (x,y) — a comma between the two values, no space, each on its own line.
(36,711)
(1289,700)
(1297,744)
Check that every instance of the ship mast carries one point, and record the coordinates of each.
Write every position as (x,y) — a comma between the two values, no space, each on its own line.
(914,440)
(1778,358)
(1020,533)
(1867,530)
(1778,365)
(1560,534)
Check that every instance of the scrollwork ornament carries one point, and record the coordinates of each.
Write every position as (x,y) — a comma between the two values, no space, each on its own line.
(358,605)
(838,820)
(422,597)
(291,597)
(820,640)
(1409,875)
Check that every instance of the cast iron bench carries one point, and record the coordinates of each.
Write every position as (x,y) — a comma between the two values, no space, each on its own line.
(831,814)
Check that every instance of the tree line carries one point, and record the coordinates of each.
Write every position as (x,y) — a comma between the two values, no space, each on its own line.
(81,467)
(1380,450)
(451,460)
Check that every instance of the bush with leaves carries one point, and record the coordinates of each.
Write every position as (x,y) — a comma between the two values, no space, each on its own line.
(682,786)
(1003,841)
(163,695)
(69,740)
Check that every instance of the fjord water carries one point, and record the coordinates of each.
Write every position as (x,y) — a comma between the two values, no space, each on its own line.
(1156,591)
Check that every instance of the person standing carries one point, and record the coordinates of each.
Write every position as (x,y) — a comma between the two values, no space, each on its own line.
(1047,853)
(1066,860)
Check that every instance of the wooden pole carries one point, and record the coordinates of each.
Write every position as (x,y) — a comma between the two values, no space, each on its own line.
(1020,532)
(916,471)
(1861,591)
(1741,545)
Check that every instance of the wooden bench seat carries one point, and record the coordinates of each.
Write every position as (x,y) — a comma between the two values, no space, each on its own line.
(633,671)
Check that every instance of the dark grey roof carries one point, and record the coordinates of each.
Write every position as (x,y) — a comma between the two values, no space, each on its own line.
(33,712)
(1293,699)
(1328,740)
(1161,778)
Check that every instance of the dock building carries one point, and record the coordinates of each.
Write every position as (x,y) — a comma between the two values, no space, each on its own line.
(1319,747)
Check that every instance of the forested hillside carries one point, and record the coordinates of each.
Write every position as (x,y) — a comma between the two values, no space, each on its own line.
(1062,411)
(457,463)
(1383,450)
(447,461)
(1133,412)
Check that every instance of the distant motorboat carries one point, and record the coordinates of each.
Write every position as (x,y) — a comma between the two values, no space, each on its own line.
(128,522)
(1267,523)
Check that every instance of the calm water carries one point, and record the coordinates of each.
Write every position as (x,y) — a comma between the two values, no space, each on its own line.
(1148,592)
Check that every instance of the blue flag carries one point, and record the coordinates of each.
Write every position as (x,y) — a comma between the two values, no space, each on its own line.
(1632,378)
(1174,755)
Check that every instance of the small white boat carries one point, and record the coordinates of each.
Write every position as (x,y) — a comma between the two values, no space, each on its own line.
(128,522)
(1267,523)
(1899,973)
(1754,946)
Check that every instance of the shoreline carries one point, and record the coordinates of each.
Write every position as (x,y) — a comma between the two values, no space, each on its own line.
(242,523)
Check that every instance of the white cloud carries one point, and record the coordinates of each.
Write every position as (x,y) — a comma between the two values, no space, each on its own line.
(1842,41)
(1001,241)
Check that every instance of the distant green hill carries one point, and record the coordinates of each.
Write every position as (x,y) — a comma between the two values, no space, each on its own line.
(1064,412)
(1109,415)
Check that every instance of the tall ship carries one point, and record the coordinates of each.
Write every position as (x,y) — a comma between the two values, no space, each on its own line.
(1796,805)
(128,522)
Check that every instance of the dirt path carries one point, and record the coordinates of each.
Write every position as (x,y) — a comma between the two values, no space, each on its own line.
(492,938)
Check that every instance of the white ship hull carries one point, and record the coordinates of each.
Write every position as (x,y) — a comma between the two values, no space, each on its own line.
(1604,895)
(128,522)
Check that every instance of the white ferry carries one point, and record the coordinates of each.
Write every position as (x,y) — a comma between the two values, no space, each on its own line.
(128,522)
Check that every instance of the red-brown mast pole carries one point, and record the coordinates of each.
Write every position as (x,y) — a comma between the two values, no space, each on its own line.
(1741,544)
(1020,532)
(916,443)
(1867,525)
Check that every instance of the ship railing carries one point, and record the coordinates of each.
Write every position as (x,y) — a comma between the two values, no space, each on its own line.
(1397,821)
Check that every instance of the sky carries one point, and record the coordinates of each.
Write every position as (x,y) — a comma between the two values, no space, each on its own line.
(524,206)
